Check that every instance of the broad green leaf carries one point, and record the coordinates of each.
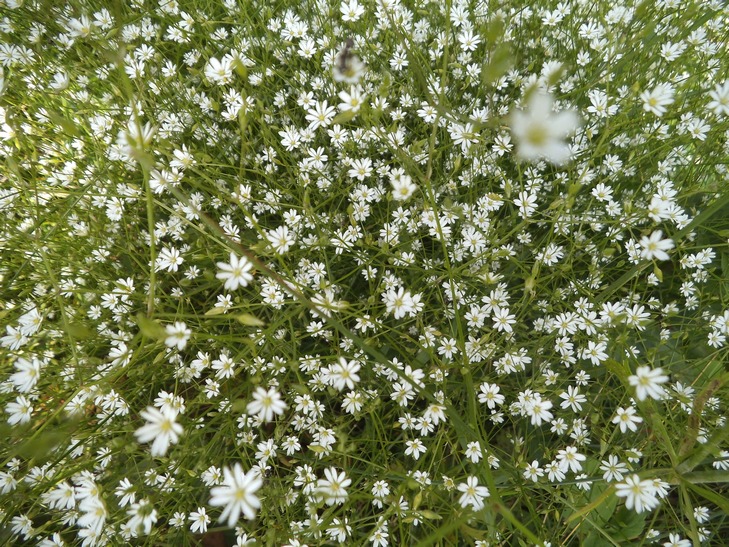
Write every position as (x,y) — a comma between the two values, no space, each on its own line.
(628,524)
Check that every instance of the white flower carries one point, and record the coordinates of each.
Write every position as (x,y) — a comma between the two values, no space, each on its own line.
(655,101)
(415,448)
(219,72)
(570,459)
(63,496)
(14,339)
(142,517)
(720,99)
(674,540)
(237,494)
(402,187)
(351,10)
(360,168)
(332,488)
(572,399)
(647,382)
(473,494)
(224,366)
(200,521)
(352,100)
(533,471)
(266,403)
(379,536)
(161,428)
(136,137)
(613,469)
(320,115)
(599,104)
(177,335)
(281,239)
(627,419)
(27,376)
(540,133)
(236,273)
(125,491)
(344,374)
(399,302)
(473,452)
(169,259)
(490,395)
(538,411)
(183,158)
(19,411)
(654,246)
(503,319)
(639,495)
(554,471)
(722,462)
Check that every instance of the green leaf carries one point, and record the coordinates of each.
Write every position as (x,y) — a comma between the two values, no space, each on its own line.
(590,507)
(715,498)
(606,508)
(500,62)
(657,272)
(238,406)
(150,328)
(249,320)
(39,447)
(59,120)
(628,525)
(430,515)
(344,117)
(241,70)
(708,476)
(78,331)
(595,539)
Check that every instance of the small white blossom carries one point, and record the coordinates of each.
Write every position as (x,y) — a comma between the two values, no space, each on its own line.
(655,247)
(648,382)
(540,133)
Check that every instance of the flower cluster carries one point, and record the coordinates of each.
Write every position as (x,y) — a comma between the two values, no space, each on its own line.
(363,272)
